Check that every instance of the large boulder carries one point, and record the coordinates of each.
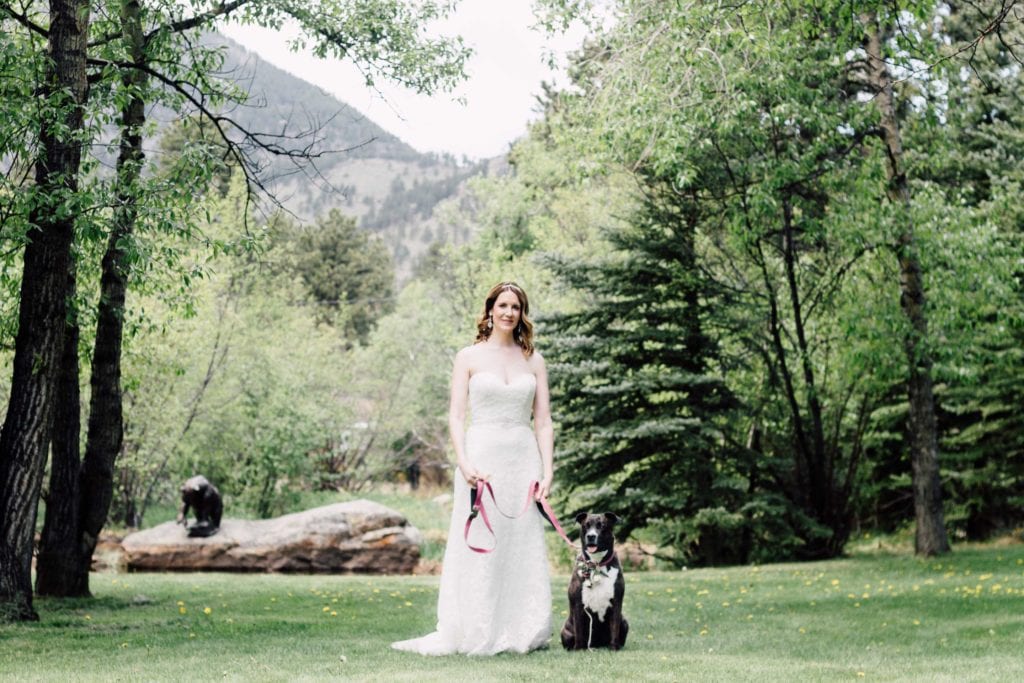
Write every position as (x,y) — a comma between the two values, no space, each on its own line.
(358,536)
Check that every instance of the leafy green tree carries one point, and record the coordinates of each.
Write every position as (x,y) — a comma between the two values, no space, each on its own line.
(274,407)
(982,426)
(43,301)
(878,27)
(21,69)
(765,150)
(347,272)
(192,137)
(398,387)
(218,389)
(968,166)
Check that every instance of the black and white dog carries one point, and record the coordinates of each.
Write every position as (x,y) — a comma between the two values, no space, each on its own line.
(596,589)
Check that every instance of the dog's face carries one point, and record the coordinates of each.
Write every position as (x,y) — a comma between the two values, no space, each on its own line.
(596,531)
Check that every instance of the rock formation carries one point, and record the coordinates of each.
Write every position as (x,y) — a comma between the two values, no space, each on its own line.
(354,537)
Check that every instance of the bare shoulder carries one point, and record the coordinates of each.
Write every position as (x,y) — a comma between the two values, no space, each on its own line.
(468,352)
(467,355)
(536,362)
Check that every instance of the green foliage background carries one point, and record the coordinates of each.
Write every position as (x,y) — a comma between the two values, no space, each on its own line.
(709,169)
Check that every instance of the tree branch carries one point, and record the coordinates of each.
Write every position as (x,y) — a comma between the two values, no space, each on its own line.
(225,124)
(180,26)
(223,9)
(22,18)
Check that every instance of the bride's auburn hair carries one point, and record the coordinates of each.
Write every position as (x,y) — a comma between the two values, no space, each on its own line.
(523,334)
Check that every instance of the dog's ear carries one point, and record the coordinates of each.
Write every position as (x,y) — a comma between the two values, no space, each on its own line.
(580,517)
(611,517)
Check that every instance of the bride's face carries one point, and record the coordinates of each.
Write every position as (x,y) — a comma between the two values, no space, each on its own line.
(506,311)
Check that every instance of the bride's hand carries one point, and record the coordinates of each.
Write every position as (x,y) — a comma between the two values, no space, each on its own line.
(544,488)
(471,475)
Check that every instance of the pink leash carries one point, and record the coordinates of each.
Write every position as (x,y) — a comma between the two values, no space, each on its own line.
(479,509)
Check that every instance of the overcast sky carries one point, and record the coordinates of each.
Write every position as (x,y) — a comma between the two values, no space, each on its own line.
(505,73)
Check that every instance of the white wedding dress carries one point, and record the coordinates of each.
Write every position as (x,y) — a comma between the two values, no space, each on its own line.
(499,601)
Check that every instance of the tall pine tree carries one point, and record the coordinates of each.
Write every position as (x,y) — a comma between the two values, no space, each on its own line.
(638,392)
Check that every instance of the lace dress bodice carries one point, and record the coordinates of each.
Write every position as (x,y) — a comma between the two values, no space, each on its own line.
(493,401)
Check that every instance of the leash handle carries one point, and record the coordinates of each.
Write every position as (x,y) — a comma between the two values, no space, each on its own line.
(476,500)
(476,497)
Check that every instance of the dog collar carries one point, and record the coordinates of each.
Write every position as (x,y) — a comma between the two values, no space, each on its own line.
(586,567)
(603,562)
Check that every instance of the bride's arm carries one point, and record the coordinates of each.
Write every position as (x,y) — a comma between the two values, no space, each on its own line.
(543,426)
(457,417)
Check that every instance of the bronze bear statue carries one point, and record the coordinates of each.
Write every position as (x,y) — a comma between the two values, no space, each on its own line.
(204,498)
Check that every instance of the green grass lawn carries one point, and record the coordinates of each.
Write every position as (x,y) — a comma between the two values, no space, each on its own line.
(870,617)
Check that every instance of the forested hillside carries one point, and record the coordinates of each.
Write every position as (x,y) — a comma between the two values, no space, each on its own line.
(366,172)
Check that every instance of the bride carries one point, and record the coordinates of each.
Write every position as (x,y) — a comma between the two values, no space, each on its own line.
(497,601)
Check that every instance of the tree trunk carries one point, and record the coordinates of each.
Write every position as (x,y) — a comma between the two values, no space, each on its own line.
(68,572)
(821,480)
(42,310)
(58,546)
(106,417)
(930,536)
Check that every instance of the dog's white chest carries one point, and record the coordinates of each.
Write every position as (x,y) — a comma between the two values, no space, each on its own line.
(597,597)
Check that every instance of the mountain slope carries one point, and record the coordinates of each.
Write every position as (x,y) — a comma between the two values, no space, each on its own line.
(372,175)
